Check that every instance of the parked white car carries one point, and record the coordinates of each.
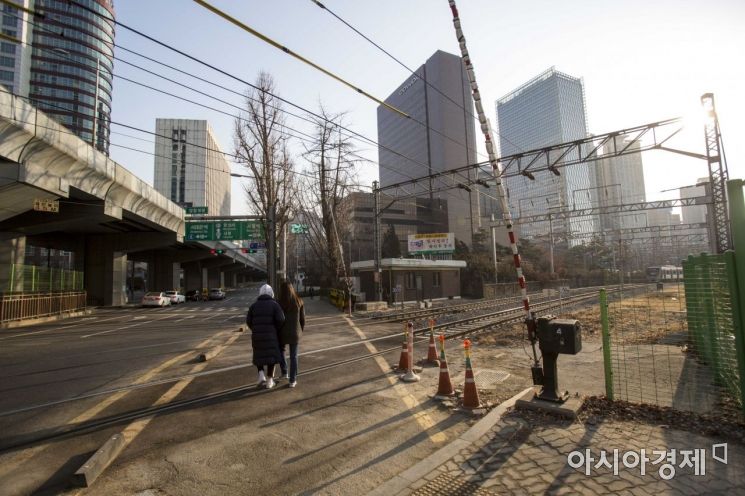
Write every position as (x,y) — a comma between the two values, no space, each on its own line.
(176,297)
(155,299)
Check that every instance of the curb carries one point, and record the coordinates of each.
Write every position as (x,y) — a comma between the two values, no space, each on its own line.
(402,481)
(13,324)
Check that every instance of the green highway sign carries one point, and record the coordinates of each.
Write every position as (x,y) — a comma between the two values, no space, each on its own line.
(298,228)
(224,230)
(196,210)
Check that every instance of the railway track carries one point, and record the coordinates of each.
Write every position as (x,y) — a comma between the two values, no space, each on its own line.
(452,330)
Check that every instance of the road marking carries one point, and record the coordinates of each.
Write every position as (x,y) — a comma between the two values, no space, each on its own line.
(421,416)
(25,455)
(55,329)
(125,327)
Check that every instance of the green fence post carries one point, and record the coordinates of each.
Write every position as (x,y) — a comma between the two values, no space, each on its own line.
(737,327)
(33,278)
(606,344)
(737,221)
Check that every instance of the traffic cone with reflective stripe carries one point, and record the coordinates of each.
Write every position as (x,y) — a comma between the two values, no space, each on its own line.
(403,362)
(445,387)
(432,352)
(470,393)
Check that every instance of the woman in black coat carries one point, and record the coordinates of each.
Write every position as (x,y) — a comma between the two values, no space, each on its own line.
(293,327)
(265,319)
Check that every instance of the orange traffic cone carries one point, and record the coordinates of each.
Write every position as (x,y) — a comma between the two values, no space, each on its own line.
(403,362)
(445,387)
(470,393)
(432,351)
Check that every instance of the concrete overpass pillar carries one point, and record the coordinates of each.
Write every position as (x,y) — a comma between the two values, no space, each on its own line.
(192,276)
(105,272)
(12,256)
(214,277)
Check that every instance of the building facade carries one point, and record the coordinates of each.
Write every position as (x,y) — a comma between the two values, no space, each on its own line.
(190,168)
(547,110)
(620,180)
(441,135)
(63,62)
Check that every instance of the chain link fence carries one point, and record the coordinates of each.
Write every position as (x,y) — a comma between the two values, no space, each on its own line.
(17,278)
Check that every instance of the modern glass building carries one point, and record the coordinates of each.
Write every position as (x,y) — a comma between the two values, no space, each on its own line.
(620,181)
(190,168)
(63,62)
(547,110)
(441,135)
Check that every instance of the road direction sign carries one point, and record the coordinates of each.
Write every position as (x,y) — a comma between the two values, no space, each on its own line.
(298,228)
(257,245)
(196,210)
(224,230)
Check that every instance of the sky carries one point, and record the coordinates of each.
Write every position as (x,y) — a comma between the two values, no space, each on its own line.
(640,61)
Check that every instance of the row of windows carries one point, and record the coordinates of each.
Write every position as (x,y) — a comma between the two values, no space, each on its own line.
(61,68)
(41,91)
(39,77)
(7,75)
(62,6)
(10,21)
(7,61)
(80,43)
(88,27)
(410,280)
(7,48)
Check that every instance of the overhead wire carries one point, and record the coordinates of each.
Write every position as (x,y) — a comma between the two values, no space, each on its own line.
(57,54)
(232,76)
(412,71)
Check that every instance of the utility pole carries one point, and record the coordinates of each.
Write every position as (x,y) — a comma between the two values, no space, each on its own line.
(551,243)
(378,275)
(494,249)
(271,249)
(283,254)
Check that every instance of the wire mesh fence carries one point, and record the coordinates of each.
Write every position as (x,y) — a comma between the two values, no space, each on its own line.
(676,347)
(17,278)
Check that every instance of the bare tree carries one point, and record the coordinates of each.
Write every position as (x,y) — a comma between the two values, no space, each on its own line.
(332,161)
(261,146)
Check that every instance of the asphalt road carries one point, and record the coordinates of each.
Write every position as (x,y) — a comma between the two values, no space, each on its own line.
(66,387)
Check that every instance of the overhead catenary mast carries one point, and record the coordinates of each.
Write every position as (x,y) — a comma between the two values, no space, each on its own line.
(497,171)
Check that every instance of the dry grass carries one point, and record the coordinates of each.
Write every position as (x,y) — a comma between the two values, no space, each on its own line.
(643,319)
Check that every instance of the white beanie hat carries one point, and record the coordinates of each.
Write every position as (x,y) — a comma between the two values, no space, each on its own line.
(266,290)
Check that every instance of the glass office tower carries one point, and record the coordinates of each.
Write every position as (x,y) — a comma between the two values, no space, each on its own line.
(547,110)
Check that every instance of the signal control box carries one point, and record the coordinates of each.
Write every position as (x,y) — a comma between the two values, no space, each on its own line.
(563,336)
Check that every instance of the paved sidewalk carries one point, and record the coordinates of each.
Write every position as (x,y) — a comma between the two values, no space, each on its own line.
(527,453)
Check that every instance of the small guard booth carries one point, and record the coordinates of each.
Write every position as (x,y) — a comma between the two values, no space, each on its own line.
(409,280)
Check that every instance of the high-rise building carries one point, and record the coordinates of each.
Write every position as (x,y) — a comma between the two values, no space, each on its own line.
(547,110)
(190,168)
(63,62)
(620,180)
(440,136)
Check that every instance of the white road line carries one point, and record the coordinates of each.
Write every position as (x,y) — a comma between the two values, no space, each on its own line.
(56,329)
(125,327)
(421,416)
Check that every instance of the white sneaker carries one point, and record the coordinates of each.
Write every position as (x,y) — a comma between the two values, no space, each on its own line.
(262,379)
(293,384)
(269,383)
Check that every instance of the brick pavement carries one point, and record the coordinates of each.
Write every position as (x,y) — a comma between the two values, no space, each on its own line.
(526,453)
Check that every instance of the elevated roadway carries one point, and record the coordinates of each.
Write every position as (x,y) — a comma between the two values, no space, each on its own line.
(106,216)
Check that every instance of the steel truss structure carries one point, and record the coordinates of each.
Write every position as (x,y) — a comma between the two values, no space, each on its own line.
(611,209)
(550,158)
(718,175)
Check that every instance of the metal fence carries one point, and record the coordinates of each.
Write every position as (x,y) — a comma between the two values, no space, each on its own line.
(683,346)
(652,356)
(20,306)
(31,278)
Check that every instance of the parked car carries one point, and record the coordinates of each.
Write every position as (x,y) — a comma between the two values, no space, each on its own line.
(175,297)
(193,295)
(155,299)
(216,294)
